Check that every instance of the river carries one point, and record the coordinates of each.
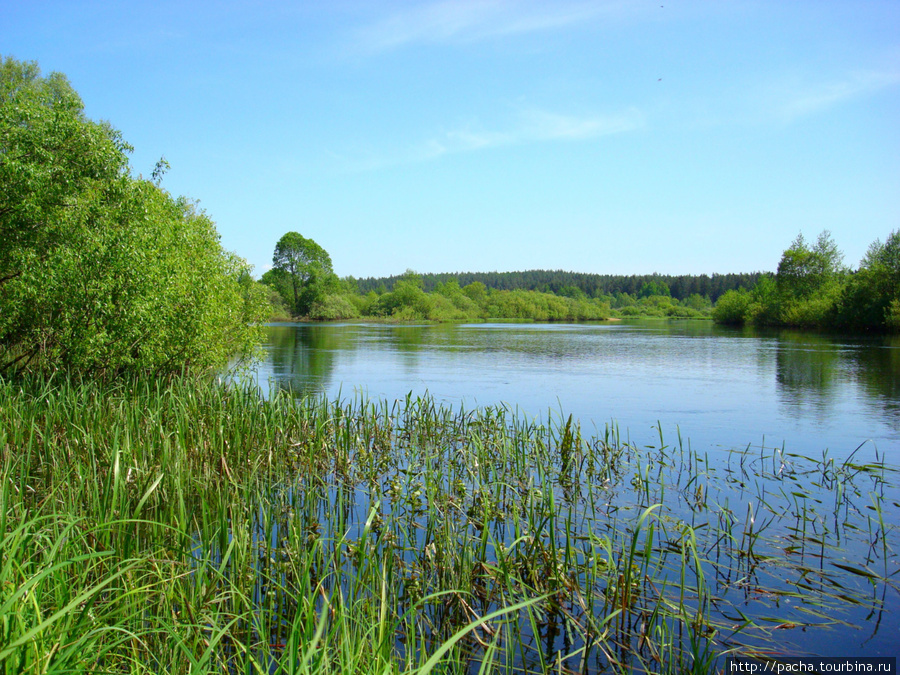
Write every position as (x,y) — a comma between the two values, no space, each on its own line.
(720,387)
(790,435)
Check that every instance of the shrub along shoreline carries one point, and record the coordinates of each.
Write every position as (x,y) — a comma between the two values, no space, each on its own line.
(813,289)
(449,302)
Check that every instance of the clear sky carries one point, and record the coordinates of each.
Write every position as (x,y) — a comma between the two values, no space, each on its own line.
(619,137)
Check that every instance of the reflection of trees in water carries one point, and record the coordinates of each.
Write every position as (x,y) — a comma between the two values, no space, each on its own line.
(806,363)
(876,368)
(303,357)
(410,338)
(407,343)
(806,369)
(812,371)
(811,368)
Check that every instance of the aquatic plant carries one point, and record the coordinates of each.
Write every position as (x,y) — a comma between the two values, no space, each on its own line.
(185,525)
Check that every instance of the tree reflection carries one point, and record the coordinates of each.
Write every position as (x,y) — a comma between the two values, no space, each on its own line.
(806,363)
(303,357)
(811,370)
(876,368)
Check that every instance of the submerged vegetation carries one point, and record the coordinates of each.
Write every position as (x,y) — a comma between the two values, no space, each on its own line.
(184,525)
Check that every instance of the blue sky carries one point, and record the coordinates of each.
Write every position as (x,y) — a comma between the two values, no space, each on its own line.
(595,136)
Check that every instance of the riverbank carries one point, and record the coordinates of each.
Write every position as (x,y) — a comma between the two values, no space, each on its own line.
(181,525)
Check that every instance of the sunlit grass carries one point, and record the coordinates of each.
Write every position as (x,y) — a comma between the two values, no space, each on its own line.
(182,525)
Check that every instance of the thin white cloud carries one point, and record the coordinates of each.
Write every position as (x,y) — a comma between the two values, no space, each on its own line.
(541,125)
(447,21)
(789,98)
(530,126)
(792,101)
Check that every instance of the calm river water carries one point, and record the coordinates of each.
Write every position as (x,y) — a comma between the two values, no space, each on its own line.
(721,387)
(824,571)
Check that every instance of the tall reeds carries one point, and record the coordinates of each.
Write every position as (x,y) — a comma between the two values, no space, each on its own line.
(189,526)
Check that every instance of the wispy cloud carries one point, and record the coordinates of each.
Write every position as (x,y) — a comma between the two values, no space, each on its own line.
(791,101)
(447,21)
(534,126)
(529,126)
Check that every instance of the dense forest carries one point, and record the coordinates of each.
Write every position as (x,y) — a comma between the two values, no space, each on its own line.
(560,282)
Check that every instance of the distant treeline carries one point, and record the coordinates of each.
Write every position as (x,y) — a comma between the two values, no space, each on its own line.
(592,285)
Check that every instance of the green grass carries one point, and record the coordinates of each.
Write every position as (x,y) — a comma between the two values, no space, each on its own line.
(186,526)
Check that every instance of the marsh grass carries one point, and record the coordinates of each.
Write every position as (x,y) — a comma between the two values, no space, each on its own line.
(188,526)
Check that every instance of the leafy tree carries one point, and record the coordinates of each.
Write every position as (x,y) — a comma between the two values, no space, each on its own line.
(871,299)
(51,156)
(808,284)
(572,292)
(804,270)
(654,287)
(407,300)
(305,267)
(462,306)
(476,292)
(765,302)
(697,301)
(101,271)
(279,282)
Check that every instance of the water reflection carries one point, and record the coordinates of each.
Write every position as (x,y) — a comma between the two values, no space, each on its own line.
(807,372)
(302,358)
(876,368)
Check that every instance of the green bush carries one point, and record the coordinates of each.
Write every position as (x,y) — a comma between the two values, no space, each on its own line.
(101,271)
(333,307)
(892,316)
(732,307)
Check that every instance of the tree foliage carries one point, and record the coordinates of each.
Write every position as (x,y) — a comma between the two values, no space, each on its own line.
(101,270)
(813,289)
(732,307)
(560,282)
(872,295)
(805,270)
(302,272)
(654,287)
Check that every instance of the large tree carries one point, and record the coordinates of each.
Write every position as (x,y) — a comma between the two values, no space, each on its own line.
(302,270)
(101,270)
(805,270)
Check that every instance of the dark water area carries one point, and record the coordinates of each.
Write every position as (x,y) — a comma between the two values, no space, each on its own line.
(777,449)
(721,387)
